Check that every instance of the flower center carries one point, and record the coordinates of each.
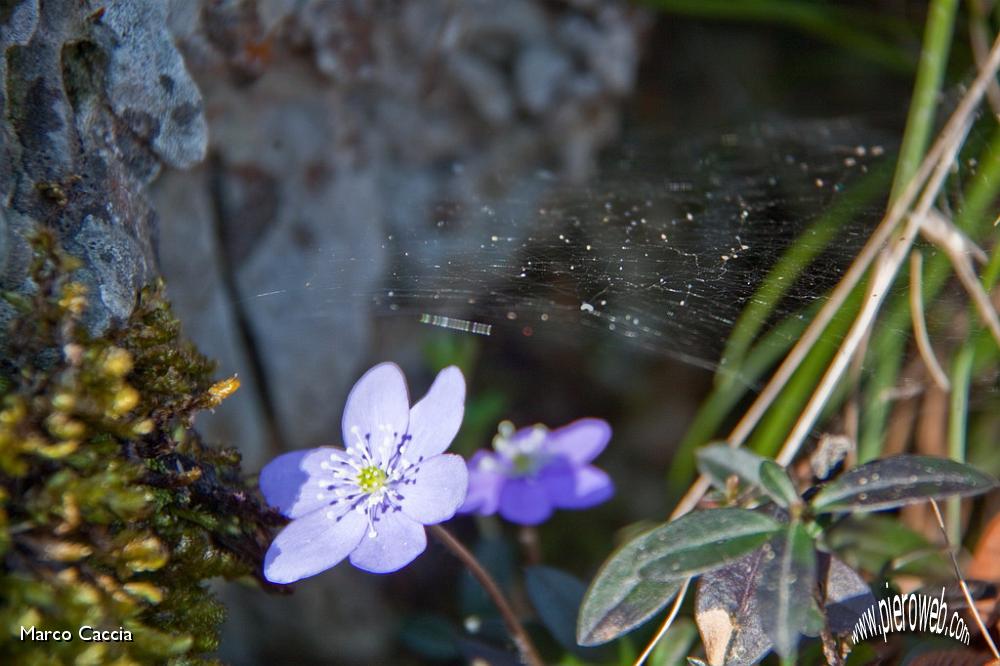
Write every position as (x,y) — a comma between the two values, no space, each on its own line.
(371,479)
(523,463)
(525,451)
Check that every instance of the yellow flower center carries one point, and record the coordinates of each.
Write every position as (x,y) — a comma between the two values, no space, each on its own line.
(371,478)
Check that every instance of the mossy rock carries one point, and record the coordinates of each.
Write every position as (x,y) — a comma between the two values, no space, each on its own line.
(113,512)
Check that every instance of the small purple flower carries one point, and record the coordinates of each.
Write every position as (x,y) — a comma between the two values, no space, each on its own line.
(535,471)
(372,500)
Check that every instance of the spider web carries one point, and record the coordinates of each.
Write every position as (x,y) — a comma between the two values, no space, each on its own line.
(661,249)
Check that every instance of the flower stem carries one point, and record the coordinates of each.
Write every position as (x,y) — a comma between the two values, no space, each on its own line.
(529,654)
(528,538)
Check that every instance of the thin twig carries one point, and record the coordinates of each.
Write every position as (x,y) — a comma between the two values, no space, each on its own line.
(942,232)
(955,127)
(666,624)
(978,39)
(948,138)
(852,410)
(940,229)
(883,275)
(934,166)
(961,581)
(529,654)
(920,323)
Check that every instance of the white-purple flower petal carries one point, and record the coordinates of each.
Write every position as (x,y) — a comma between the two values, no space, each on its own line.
(525,501)
(434,421)
(580,441)
(377,412)
(397,541)
(292,482)
(434,489)
(314,543)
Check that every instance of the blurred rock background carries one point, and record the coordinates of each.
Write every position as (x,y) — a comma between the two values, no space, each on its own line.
(333,125)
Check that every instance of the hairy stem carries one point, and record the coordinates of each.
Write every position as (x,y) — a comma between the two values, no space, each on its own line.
(529,654)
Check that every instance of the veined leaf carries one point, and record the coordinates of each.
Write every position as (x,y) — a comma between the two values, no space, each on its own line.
(720,461)
(785,593)
(640,577)
(618,599)
(893,482)
(777,484)
(701,541)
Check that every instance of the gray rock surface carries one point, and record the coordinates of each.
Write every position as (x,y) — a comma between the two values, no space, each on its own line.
(94,98)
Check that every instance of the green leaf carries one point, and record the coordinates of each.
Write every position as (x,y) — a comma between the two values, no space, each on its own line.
(618,600)
(556,596)
(777,484)
(785,591)
(641,577)
(701,541)
(893,482)
(720,461)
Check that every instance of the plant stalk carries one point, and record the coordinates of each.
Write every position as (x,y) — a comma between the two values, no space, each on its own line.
(526,648)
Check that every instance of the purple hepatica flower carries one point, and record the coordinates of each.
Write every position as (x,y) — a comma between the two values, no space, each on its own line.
(535,470)
(372,500)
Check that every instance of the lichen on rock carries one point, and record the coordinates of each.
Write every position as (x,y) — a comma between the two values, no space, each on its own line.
(113,512)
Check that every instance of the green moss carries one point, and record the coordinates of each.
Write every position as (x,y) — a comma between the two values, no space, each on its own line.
(113,512)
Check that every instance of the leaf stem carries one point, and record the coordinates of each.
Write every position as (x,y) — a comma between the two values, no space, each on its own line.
(529,654)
